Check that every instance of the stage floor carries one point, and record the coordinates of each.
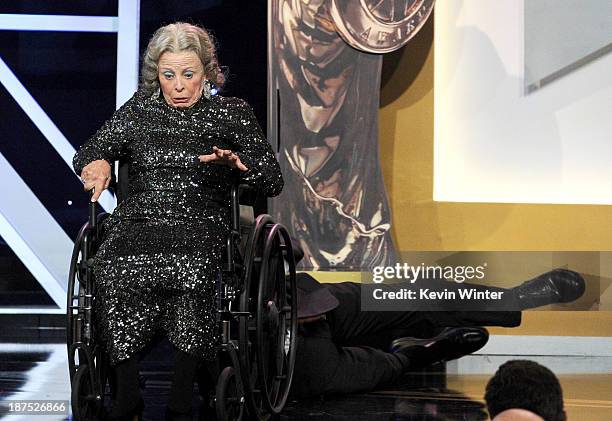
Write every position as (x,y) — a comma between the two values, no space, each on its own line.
(39,371)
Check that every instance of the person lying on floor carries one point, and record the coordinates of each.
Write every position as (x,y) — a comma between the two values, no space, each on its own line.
(342,349)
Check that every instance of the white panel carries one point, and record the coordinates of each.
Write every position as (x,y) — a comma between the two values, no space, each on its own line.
(33,234)
(574,346)
(22,22)
(488,364)
(493,143)
(562,354)
(31,310)
(127,49)
(562,35)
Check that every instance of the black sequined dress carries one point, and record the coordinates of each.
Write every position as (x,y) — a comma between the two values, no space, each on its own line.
(158,265)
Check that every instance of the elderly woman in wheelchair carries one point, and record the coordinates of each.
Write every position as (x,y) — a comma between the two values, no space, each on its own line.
(173,257)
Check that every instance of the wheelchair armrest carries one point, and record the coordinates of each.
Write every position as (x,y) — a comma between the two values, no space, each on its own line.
(242,199)
(247,195)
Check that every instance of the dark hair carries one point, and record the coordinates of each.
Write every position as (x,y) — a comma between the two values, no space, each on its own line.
(526,385)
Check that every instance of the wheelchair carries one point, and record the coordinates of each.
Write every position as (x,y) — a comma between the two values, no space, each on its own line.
(256,314)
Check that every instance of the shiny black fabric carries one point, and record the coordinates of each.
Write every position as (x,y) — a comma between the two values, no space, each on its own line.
(158,265)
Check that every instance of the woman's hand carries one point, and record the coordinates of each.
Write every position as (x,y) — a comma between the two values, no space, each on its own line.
(224,157)
(96,174)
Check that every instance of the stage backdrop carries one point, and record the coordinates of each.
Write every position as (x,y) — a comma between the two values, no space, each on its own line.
(324,67)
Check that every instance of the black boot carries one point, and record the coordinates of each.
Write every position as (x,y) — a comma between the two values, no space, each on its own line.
(556,286)
(181,393)
(128,400)
(451,344)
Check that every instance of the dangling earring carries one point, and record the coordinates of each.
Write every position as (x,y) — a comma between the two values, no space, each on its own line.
(206,88)
(156,93)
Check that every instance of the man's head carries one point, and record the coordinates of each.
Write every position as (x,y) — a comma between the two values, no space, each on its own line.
(521,384)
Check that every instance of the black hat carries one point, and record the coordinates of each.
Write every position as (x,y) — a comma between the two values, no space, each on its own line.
(314,299)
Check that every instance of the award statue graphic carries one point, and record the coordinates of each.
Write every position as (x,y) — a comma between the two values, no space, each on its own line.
(324,69)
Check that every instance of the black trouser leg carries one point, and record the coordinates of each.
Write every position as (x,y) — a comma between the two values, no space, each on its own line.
(322,367)
(181,394)
(127,389)
(351,326)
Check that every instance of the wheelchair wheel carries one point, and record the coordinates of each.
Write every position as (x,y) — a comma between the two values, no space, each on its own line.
(73,313)
(229,402)
(276,320)
(85,402)
(268,340)
(87,362)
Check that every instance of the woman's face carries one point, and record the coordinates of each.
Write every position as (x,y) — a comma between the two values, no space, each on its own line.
(180,77)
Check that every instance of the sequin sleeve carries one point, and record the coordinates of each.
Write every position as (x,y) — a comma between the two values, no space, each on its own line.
(109,141)
(254,151)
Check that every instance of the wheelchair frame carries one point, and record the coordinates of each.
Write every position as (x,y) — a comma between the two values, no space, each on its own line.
(258,340)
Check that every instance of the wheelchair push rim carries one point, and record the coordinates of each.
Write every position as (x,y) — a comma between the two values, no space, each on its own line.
(276,320)
(87,363)
(72,335)
(79,318)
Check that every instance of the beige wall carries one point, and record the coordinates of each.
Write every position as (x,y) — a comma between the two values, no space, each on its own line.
(419,223)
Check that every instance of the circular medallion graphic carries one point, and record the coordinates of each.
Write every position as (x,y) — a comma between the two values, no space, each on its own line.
(379,26)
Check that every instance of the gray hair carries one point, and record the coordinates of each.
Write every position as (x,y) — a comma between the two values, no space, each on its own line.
(175,38)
